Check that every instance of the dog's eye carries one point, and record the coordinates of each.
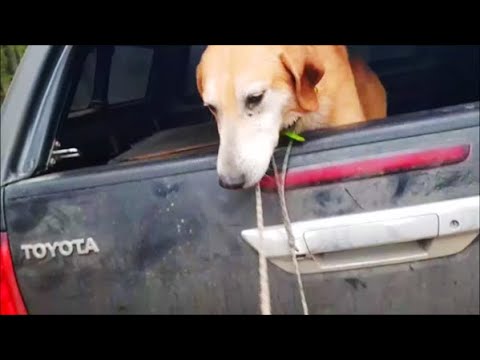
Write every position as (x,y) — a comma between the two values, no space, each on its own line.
(212,108)
(254,100)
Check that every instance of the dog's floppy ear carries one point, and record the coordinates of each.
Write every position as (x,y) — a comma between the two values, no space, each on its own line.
(306,71)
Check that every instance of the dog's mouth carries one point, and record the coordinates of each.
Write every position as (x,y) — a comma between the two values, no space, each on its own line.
(267,177)
(230,186)
(247,185)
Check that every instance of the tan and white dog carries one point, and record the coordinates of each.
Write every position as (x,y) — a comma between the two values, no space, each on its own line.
(256,91)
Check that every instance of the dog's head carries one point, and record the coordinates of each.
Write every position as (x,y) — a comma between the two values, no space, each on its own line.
(253,92)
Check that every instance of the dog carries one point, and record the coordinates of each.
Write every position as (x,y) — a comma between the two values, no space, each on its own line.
(256,91)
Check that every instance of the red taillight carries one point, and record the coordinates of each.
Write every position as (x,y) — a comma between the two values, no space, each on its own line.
(371,167)
(11,302)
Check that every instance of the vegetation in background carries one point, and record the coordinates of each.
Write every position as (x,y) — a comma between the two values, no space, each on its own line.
(10,56)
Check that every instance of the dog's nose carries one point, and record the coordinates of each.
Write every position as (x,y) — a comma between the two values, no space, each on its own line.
(231,184)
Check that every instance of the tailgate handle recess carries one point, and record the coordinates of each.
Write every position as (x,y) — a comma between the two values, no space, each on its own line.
(374,238)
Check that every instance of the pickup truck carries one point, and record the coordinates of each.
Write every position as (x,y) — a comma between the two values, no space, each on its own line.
(111,203)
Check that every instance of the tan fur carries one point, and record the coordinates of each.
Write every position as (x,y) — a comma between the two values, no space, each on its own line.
(371,91)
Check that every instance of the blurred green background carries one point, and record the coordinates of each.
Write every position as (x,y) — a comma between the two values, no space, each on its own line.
(10,57)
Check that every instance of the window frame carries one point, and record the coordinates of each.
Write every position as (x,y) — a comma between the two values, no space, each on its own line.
(50,99)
